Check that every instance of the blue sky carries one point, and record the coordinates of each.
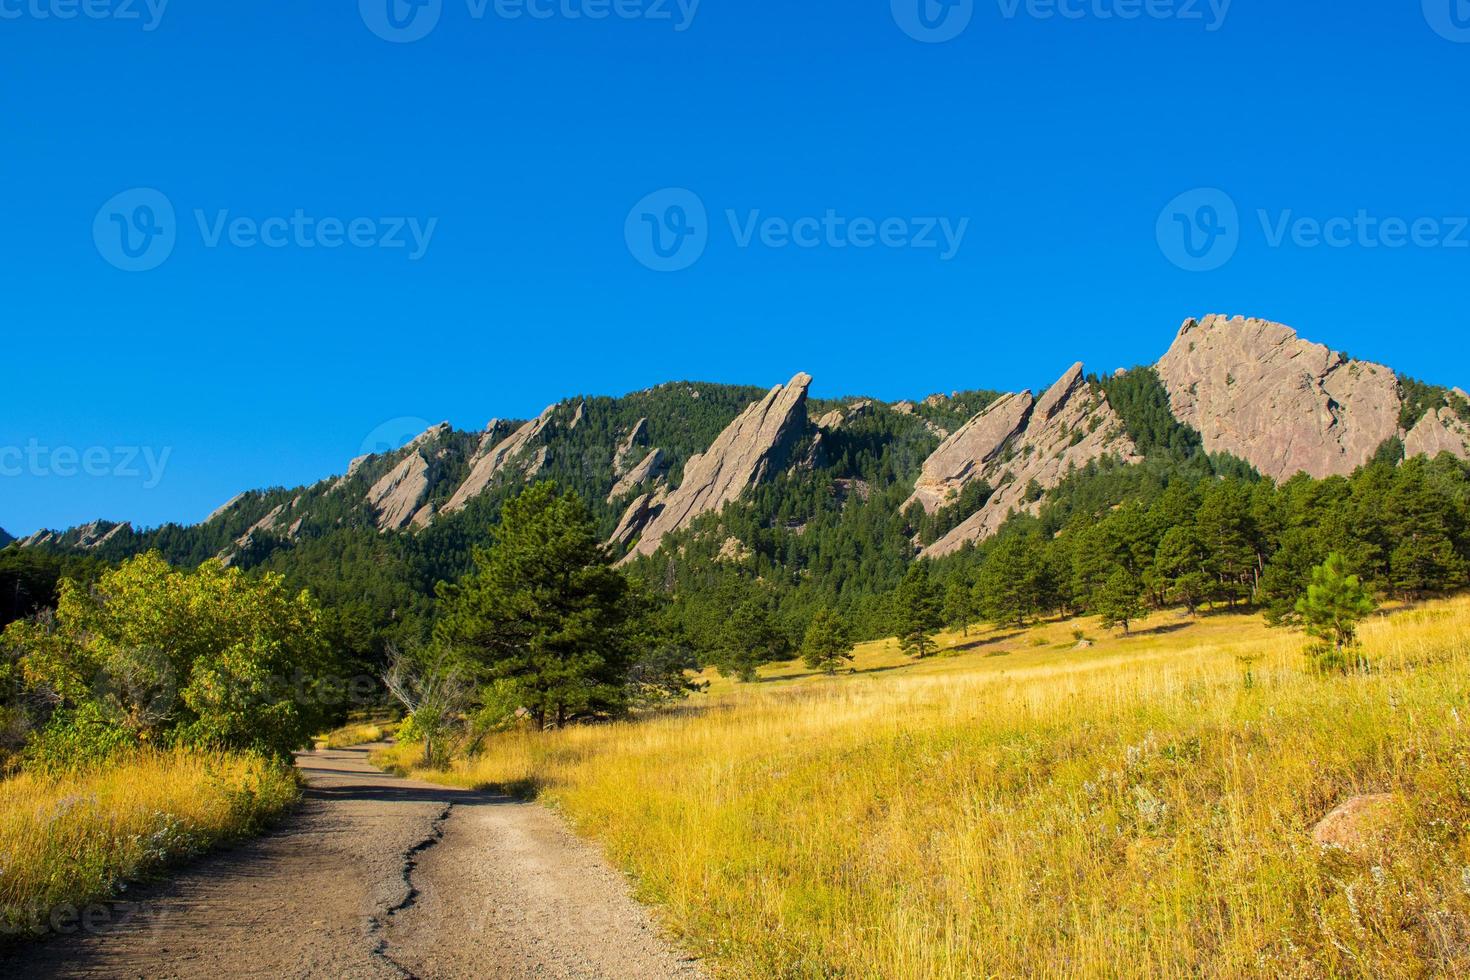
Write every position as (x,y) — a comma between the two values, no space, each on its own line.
(519,147)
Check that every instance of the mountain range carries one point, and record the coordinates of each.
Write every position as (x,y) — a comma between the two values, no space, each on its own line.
(652,463)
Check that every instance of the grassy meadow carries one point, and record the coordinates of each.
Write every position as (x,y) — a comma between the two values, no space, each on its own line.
(1025,805)
(66,841)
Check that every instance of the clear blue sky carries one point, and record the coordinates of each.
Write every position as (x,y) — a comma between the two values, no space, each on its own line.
(529,141)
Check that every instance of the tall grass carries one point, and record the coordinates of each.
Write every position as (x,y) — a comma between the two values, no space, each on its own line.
(358,733)
(1139,808)
(74,839)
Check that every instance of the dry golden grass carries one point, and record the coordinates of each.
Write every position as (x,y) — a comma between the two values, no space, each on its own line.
(357,733)
(74,839)
(1023,807)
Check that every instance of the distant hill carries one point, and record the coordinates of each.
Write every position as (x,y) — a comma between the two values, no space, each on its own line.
(5,537)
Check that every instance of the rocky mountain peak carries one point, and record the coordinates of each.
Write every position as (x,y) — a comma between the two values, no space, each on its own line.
(751,449)
(1021,446)
(493,457)
(1285,405)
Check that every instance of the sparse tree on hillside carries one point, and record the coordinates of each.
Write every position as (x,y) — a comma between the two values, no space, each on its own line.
(827,644)
(916,612)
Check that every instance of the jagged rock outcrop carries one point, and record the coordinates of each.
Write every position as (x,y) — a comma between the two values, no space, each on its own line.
(401,493)
(754,446)
(652,467)
(1441,431)
(86,537)
(1019,445)
(965,455)
(1285,405)
(493,457)
(266,523)
(637,436)
(633,520)
(223,508)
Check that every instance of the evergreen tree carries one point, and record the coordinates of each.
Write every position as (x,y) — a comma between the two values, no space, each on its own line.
(827,644)
(960,607)
(1334,604)
(917,615)
(1180,566)
(1007,585)
(749,638)
(1120,600)
(544,609)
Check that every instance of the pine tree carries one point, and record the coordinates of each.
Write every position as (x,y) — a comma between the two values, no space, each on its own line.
(827,644)
(1334,604)
(917,615)
(1180,567)
(960,608)
(1007,585)
(544,609)
(1120,601)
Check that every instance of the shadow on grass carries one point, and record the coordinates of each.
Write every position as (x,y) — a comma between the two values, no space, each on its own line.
(988,641)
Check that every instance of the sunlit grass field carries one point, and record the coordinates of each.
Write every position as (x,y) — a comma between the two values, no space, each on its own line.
(1023,806)
(357,733)
(69,840)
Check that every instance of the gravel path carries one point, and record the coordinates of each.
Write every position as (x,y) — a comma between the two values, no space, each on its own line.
(376,876)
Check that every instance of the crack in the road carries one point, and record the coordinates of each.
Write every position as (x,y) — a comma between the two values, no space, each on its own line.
(411,892)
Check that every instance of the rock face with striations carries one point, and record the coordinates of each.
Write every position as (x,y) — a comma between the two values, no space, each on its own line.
(493,456)
(1255,389)
(1019,444)
(753,447)
(651,468)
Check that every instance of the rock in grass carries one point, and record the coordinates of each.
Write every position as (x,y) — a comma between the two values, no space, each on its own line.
(1356,824)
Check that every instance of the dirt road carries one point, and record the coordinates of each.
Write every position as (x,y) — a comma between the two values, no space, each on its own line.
(376,876)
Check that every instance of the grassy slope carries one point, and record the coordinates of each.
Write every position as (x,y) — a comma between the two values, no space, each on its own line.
(76,839)
(1024,807)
